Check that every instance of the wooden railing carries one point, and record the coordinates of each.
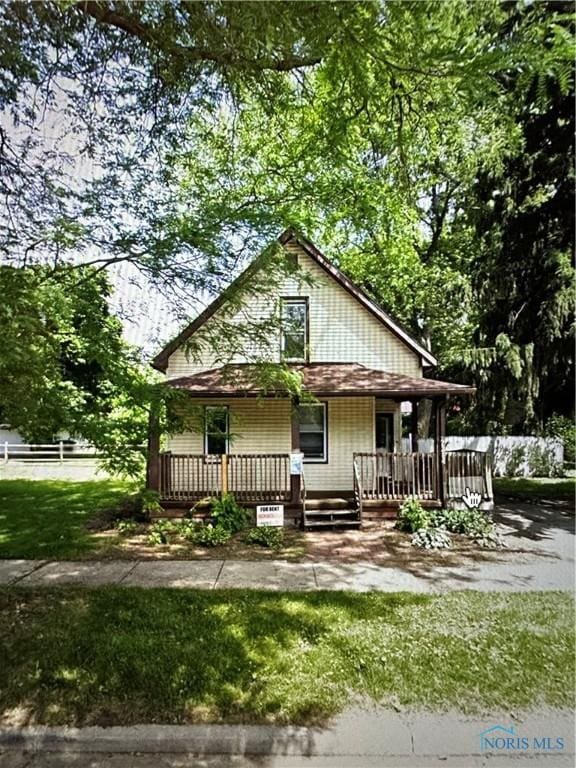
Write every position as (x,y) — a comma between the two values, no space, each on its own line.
(468,469)
(395,476)
(250,477)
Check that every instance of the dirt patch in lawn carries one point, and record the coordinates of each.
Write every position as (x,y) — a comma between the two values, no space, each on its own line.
(382,544)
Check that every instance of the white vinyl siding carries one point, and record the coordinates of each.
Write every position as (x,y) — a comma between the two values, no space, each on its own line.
(341,329)
(264,426)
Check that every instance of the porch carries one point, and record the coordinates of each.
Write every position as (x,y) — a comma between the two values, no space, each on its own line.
(382,481)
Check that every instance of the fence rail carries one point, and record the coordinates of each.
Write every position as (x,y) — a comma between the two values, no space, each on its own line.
(250,477)
(60,451)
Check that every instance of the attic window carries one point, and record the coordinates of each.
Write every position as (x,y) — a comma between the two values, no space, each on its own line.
(294,340)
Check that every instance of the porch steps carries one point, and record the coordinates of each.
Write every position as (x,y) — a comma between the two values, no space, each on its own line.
(338,516)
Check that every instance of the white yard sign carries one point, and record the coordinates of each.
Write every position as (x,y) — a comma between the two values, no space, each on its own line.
(270,515)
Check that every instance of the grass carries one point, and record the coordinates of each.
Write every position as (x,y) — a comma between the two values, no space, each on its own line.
(46,518)
(116,655)
(537,487)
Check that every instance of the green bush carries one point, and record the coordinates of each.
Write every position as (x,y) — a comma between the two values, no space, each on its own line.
(211,536)
(187,529)
(159,532)
(266,537)
(150,503)
(564,428)
(412,516)
(431,538)
(229,515)
(469,522)
(127,527)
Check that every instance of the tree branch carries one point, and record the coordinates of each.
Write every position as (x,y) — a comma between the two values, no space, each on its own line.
(133,26)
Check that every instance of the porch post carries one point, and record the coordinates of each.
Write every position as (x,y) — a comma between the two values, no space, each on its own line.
(414,426)
(439,433)
(153,449)
(295,480)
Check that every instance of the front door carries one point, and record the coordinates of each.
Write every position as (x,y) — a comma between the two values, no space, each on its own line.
(385,432)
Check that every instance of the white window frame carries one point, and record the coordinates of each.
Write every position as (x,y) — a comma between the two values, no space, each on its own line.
(206,433)
(284,302)
(324,459)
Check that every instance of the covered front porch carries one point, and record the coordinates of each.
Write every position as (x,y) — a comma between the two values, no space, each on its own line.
(334,457)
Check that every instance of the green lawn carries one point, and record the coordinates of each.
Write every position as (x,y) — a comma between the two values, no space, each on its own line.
(127,655)
(45,518)
(537,487)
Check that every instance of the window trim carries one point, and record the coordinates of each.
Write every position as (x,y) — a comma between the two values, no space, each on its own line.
(324,459)
(225,408)
(296,300)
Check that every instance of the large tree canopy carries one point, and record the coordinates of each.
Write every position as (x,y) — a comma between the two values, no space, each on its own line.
(180,137)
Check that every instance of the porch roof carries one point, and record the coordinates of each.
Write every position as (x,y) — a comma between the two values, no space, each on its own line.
(320,379)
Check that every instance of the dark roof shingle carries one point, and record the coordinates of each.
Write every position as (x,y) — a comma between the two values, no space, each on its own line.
(320,379)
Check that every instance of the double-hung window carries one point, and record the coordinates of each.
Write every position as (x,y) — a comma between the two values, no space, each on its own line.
(216,429)
(313,432)
(294,342)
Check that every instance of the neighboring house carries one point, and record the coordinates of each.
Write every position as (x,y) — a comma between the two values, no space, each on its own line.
(338,457)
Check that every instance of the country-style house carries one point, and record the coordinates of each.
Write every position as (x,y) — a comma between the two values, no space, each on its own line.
(332,454)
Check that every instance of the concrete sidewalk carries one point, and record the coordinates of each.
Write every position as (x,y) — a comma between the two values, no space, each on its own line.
(373,737)
(281,575)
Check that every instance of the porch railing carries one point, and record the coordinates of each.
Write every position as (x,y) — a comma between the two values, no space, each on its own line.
(387,476)
(468,469)
(395,476)
(250,477)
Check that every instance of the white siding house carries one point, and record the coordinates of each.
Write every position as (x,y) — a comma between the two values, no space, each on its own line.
(354,360)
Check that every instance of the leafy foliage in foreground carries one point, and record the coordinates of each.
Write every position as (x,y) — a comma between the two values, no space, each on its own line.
(266,536)
(179,655)
(412,516)
(65,366)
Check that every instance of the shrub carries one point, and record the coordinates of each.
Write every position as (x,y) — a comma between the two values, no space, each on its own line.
(515,461)
(150,503)
(564,428)
(542,463)
(431,538)
(229,515)
(187,529)
(266,537)
(211,536)
(127,527)
(159,532)
(412,516)
(469,522)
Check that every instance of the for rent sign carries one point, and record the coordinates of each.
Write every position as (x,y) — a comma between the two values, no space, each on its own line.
(270,515)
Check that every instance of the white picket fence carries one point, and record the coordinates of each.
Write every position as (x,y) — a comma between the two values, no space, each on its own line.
(515,455)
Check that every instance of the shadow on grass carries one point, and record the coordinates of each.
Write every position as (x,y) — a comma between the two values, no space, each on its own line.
(45,518)
(119,656)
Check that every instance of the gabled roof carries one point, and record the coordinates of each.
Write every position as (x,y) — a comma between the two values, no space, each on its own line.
(161,360)
(320,379)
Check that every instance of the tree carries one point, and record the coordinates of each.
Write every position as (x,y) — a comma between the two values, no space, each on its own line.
(523,272)
(64,365)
